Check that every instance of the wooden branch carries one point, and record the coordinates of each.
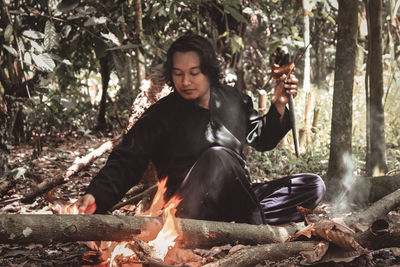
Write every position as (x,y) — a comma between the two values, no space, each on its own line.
(258,254)
(135,199)
(377,210)
(39,228)
(373,239)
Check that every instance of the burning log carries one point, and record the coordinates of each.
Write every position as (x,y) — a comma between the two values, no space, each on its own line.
(39,228)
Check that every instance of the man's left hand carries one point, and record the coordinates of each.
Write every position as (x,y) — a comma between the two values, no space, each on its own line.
(282,90)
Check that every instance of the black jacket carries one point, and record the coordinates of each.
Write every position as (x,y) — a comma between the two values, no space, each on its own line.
(173,133)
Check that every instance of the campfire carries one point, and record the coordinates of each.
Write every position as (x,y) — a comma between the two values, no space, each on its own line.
(146,247)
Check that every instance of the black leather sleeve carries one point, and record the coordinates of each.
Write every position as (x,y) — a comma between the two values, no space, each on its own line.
(265,132)
(125,165)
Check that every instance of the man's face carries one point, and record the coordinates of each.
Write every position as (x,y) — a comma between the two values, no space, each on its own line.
(188,79)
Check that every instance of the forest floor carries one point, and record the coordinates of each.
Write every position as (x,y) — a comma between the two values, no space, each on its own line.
(58,154)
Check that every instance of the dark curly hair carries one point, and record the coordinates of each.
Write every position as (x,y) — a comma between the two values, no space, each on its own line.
(209,63)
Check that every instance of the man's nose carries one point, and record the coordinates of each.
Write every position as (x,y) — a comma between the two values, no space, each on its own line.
(186,80)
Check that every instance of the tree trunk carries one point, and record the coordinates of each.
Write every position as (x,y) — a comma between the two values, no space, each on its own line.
(39,228)
(377,131)
(341,128)
(4,146)
(105,78)
(140,60)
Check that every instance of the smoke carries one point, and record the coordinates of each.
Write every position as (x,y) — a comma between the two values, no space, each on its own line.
(346,196)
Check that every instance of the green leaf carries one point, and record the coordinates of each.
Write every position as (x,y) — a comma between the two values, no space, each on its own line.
(11,50)
(50,36)
(236,43)
(326,15)
(232,3)
(110,36)
(248,10)
(66,30)
(67,5)
(92,21)
(36,46)
(44,62)
(172,11)
(8,33)
(236,15)
(33,34)
(123,47)
(28,58)
(272,46)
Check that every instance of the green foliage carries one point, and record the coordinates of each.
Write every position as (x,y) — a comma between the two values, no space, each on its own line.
(58,49)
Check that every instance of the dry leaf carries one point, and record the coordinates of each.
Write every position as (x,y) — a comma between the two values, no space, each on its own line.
(313,256)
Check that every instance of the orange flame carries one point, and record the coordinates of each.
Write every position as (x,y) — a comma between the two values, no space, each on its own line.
(123,253)
(158,201)
(165,240)
(170,231)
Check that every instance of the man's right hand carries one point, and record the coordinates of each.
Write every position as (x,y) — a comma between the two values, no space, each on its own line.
(86,204)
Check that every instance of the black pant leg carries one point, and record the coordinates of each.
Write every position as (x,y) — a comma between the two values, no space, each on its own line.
(279,198)
(217,188)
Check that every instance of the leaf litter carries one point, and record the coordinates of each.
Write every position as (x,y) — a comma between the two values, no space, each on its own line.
(337,244)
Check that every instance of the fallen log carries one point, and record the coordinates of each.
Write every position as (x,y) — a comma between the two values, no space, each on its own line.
(258,254)
(385,235)
(39,228)
(151,91)
(377,210)
(370,189)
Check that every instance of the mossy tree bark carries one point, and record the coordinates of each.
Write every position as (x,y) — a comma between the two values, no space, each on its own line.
(341,128)
(377,161)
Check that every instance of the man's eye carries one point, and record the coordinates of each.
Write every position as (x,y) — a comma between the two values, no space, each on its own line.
(177,74)
(194,74)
